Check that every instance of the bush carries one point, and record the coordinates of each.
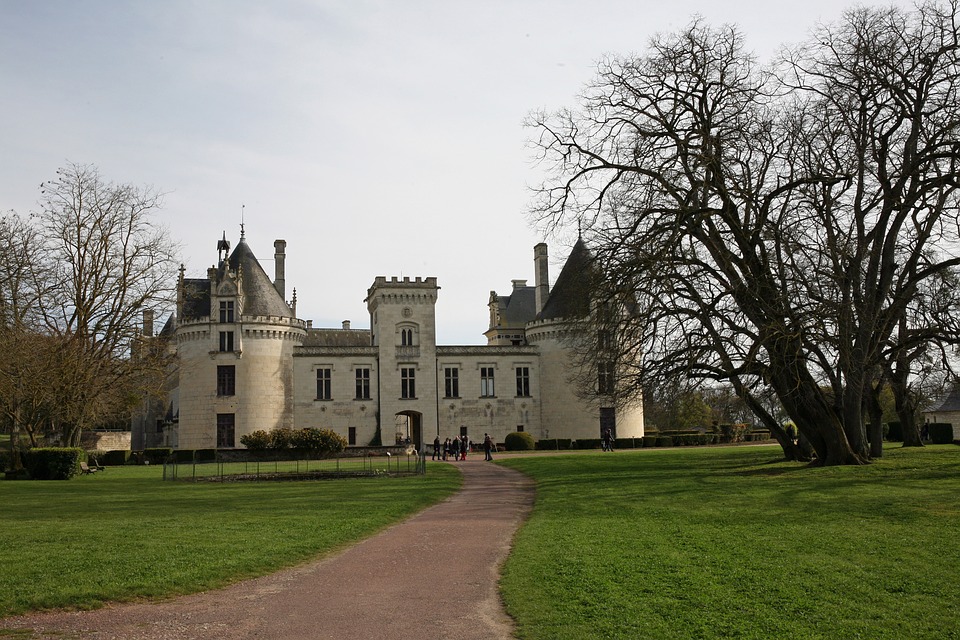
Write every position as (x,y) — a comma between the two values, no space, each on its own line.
(940,432)
(664,441)
(894,432)
(4,460)
(114,458)
(519,441)
(733,432)
(183,455)
(157,455)
(281,438)
(318,442)
(258,440)
(53,463)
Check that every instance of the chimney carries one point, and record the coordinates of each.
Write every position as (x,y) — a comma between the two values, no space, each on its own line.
(148,323)
(519,284)
(346,324)
(542,273)
(279,282)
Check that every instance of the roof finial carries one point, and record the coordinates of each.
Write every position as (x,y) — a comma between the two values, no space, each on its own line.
(242,207)
(579,228)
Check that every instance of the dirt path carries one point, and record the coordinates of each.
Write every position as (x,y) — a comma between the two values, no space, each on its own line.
(432,576)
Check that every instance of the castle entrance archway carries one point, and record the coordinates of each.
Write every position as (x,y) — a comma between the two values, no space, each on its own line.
(409,428)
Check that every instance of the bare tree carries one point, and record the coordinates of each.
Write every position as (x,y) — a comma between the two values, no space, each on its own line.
(96,261)
(773,229)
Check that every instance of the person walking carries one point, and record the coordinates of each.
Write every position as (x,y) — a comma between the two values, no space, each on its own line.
(436,448)
(487,446)
(464,447)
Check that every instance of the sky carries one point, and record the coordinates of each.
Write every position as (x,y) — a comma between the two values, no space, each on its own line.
(377,138)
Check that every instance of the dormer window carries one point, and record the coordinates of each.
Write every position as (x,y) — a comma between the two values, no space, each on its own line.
(226,311)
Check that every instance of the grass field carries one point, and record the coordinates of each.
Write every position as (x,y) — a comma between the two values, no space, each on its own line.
(727,543)
(123,533)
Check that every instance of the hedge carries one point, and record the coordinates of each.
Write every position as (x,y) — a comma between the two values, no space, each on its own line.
(553,444)
(940,432)
(53,463)
(115,458)
(157,455)
(894,432)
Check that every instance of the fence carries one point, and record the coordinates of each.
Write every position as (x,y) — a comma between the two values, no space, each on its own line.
(301,469)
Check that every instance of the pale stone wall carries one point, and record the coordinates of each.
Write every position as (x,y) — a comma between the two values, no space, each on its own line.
(344,410)
(563,413)
(395,306)
(105,440)
(264,378)
(498,415)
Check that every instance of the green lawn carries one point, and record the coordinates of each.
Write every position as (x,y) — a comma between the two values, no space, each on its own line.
(124,533)
(729,543)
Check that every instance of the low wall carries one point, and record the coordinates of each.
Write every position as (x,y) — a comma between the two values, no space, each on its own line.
(105,440)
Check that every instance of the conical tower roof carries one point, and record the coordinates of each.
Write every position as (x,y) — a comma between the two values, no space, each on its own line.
(570,296)
(260,297)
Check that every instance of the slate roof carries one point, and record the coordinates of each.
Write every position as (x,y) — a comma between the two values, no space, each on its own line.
(518,308)
(570,296)
(950,403)
(260,297)
(337,338)
(196,298)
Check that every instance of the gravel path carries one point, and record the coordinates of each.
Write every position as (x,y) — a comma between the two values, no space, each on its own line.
(432,576)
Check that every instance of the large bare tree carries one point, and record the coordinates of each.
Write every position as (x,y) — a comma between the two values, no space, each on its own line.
(97,260)
(773,224)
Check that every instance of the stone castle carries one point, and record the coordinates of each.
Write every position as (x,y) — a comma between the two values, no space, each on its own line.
(245,362)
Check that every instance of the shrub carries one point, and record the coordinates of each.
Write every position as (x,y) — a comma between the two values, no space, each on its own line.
(183,455)
(114,458)
(649,441)
(258,440)
(4,460)
(733,432)
(894,432)
(157,455)
(53,463)
(519,441)
(940,432)
(664,441)
(318,442)
(281,438)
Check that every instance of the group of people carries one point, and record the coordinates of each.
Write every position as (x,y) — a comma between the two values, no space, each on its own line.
(451,448)
(607,440)
(456,448)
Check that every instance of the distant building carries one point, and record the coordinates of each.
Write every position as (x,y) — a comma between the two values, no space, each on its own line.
(245,362)
(946,410)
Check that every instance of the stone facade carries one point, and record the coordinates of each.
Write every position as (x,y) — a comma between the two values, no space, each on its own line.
(245,363)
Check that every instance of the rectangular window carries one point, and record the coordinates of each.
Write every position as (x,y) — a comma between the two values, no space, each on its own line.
(363,384)
(451,382)
(408,383)
(523,382)
(226,380)
(226,311)
(226,341)
(519,428)
(324,391)
(486,382)
(226,425)
(352,436)
(605,378)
